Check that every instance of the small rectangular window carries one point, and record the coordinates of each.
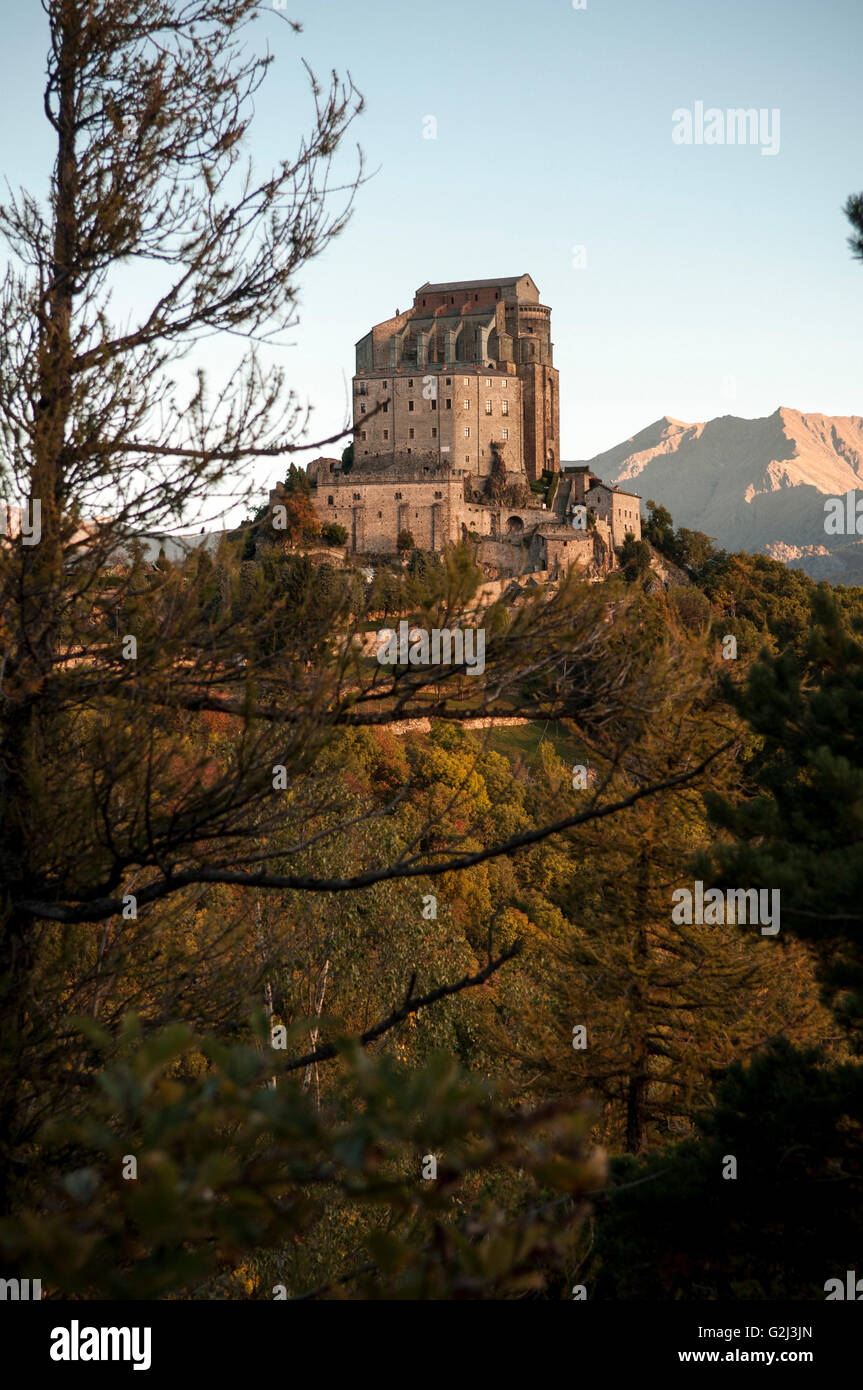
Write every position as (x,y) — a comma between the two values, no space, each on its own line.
(362,409)
(386,434)
(410,381)
(488,381)
(505,434)
(433,405)
(467,431)
(488,407)
(449,402)
(449,381)
(410,434)
(467,405)
(410,405)
(434,431)
(386,407)
(504,407)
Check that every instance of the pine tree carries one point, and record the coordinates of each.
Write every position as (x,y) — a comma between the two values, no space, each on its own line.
(666,1006)
(854,212)
(801,830)
(787,1217)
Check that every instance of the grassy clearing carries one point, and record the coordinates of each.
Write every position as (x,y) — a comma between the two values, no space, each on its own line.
(521,741)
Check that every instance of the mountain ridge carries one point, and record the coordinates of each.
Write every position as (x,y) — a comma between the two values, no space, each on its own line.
(754,484)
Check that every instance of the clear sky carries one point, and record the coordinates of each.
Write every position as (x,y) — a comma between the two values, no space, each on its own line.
(717,279)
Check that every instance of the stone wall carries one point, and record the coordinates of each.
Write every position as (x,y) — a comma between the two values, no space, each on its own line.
(541,392)
(509,558)
(453,417)
(374,511)
(484,342)
(621,511)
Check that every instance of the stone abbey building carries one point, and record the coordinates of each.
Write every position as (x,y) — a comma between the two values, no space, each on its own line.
(456,407)
(473,363)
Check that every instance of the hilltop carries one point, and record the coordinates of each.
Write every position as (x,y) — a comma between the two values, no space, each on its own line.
(756,485)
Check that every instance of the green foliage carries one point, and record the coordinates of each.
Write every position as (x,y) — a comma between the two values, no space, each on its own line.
(634,559)
(793,1118)
(854,212)
(690,550)
(659,529)
(195,1209)
(666,1006)
(334,534)
(673,1227)
(801,830)
(759,600)
(690,606)
(422,565)
(296,481)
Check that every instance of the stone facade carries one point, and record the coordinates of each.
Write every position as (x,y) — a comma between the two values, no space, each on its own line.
(456,406)
(476,354)
(618,509)
(447,417)
(374,507)
(557,548)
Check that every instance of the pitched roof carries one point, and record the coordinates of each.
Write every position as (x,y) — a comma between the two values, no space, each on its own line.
(447,285)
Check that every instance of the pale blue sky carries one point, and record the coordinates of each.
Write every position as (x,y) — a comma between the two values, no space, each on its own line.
(711,270)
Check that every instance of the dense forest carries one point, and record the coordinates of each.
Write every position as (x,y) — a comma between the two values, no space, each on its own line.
(453,1082)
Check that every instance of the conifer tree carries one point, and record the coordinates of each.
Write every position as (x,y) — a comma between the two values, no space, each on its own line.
(854,213)
(787,1218)
(649,1012)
